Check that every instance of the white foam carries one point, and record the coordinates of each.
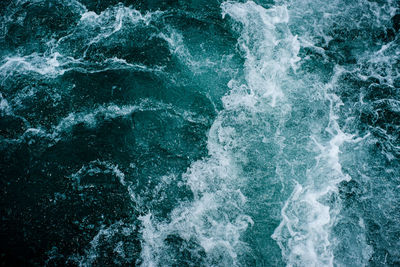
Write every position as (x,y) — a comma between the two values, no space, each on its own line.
(92,118)
(268,55)
(4,106)
(106,236)
(56,64)
(96,167)
(309,215)
(33,63)
(177,47)
(304,234)
(112,20)
(91,29)
(216,219)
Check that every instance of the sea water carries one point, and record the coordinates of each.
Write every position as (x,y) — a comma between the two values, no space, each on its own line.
(200,133)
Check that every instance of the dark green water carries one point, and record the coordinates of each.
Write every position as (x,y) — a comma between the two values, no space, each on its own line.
(200,133)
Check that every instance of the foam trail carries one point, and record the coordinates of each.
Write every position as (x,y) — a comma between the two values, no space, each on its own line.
(70,52)
(307,234)
(56,64)
(304,234)
(210,227)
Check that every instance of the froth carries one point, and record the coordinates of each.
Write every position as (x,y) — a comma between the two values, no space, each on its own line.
(210,227)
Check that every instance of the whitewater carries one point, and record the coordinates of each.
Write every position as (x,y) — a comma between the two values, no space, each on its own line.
(200,133)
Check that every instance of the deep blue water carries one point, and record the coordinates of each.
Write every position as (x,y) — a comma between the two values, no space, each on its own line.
(200,133)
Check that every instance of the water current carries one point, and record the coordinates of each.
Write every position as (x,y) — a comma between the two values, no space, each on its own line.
(200,133)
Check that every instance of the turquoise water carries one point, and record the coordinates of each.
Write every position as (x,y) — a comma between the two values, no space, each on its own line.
(200,133)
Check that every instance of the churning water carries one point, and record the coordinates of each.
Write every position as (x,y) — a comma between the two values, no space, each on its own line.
(200,133)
